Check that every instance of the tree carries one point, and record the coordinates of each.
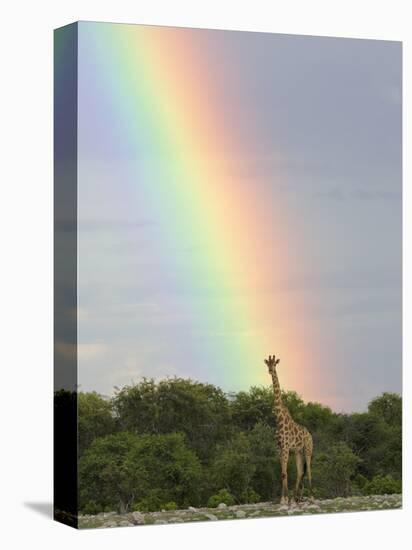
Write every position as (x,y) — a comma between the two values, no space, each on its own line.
(107,477)
(295,405)
(368,436)
(251,407)
(333,471)
(136,407)
(265,458)
(125,470)
(200,411)
(173,471)
(316,417)
(388,407)
(95,418)
(233,467)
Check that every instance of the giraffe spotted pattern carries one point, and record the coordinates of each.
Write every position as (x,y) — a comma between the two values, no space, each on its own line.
(291,437)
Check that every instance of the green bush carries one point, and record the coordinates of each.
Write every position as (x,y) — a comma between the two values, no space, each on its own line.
(222,496)
(334,471)
(358,484)
(152,502)
(233,467)
(382,485)
(125,470)
(170,505)
(250,496)
(92,508)
(265,458)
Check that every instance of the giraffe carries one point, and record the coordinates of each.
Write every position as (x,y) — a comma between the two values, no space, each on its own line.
(290,437)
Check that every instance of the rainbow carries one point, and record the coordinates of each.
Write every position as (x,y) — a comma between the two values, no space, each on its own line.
(155,84)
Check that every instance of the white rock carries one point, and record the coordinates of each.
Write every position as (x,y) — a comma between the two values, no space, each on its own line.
(222,505)
(192,509)
(240,514)
(212,517)
(137,517)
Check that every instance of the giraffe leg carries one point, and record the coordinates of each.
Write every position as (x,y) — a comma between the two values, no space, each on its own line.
(308,458)
(299,473)
(284,459)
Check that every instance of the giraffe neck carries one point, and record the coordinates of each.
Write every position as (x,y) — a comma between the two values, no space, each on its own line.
(278,406)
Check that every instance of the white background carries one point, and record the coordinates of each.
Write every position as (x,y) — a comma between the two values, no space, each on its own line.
(26,269)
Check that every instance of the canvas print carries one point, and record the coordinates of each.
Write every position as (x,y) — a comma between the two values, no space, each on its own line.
(228,280)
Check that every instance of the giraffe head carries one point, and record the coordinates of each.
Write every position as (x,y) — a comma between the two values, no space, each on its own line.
(271,363)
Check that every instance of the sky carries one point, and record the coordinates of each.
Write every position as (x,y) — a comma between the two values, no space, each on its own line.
(239,195)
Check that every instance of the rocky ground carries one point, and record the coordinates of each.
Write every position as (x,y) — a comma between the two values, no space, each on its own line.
(263,509)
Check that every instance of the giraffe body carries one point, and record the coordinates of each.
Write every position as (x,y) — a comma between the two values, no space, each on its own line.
(291,437)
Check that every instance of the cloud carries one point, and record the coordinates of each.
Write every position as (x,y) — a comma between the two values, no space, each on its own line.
(92,351)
